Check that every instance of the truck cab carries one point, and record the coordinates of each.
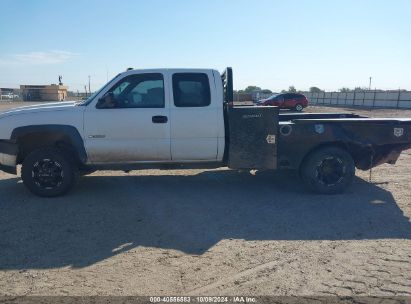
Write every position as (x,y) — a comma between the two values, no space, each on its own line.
(164,115)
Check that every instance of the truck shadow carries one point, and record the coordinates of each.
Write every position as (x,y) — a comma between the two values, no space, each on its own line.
(107,215)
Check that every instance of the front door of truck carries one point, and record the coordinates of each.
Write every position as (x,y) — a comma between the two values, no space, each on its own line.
(131,122)
(194,116)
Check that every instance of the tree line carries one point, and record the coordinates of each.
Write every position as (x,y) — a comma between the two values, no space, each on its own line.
(291,89)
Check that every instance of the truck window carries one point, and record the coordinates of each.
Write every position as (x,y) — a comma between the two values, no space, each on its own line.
(137,91)
(191,90)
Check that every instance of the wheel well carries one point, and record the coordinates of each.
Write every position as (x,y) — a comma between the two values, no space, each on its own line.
(32,141)
(357,152)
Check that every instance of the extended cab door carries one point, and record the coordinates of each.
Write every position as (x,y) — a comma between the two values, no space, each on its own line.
(131,124)
(194,113)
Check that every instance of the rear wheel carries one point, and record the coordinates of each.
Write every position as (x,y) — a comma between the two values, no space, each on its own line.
(48,172)
(328,170)
(299,107)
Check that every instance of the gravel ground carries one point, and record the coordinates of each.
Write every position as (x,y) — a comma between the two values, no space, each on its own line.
(209,232)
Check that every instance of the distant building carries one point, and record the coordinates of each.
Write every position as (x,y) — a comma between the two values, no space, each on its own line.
(51,92)
(6,91)
(9,93)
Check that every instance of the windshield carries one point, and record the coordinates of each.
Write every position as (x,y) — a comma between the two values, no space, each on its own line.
(91,97)
(273,96)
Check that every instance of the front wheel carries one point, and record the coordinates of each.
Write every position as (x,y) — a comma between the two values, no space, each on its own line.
(328,170)
(48,172)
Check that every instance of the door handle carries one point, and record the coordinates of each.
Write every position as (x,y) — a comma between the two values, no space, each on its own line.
(159,119)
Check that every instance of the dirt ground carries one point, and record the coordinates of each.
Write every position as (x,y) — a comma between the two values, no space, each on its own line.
(209,232)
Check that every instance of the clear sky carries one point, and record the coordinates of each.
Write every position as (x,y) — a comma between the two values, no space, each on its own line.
(269,43)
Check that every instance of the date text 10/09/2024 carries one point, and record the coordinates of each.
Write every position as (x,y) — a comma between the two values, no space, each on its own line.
(206,299)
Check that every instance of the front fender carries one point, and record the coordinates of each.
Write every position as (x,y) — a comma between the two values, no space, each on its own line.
(53,133)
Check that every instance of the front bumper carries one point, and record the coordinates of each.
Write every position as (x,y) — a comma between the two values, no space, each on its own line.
(8,156)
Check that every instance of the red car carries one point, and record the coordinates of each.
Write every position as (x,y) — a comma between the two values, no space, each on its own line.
(293,101)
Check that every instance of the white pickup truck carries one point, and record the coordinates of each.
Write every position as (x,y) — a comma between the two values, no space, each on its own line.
(184,118)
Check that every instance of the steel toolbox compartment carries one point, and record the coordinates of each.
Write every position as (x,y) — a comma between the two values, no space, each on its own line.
(252,137)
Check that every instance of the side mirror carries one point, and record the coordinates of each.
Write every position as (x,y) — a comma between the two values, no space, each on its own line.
(107,101)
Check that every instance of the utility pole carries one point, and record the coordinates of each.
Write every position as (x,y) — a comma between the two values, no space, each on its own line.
(369,88)
(89,91)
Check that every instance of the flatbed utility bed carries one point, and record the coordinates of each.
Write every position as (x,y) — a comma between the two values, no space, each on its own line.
(355,120)
(370,141)
(292,115)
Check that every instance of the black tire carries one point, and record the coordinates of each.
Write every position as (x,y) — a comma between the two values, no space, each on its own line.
(298,107)
(328,170)
(49,172)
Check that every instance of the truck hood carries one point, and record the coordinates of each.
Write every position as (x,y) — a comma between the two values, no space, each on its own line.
(54,106)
